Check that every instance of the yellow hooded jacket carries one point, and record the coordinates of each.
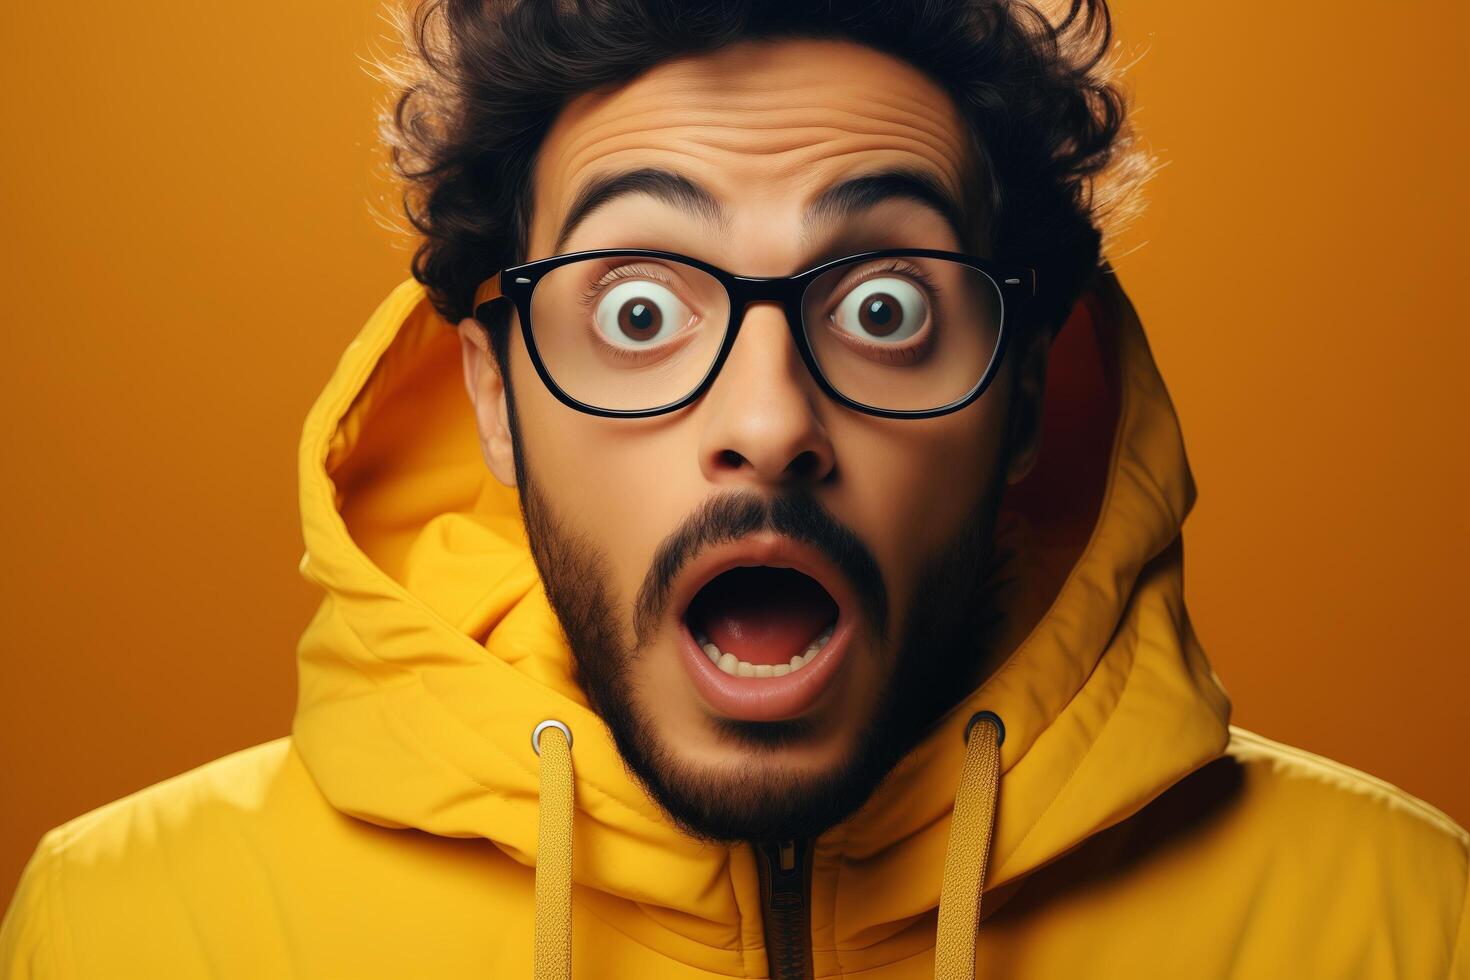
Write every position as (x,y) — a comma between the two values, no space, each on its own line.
(1125,828)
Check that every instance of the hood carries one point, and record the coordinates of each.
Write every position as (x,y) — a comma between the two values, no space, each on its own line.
(435,653)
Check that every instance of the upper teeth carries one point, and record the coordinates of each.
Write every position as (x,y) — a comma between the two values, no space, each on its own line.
(736,667)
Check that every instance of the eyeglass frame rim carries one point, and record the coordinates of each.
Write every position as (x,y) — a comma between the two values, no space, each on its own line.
(517,283)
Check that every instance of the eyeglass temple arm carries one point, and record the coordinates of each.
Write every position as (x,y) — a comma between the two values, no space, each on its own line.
(488,291)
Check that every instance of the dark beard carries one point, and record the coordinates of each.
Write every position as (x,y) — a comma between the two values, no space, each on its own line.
(942,657)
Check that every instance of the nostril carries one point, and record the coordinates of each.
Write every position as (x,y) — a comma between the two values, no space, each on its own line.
(805,465)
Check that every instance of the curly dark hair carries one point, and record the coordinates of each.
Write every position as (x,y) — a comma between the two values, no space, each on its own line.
(478,83)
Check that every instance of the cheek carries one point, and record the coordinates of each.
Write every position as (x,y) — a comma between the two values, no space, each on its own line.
(913,483)
(616,481)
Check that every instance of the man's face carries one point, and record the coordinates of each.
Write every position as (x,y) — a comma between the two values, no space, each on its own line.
(649,531)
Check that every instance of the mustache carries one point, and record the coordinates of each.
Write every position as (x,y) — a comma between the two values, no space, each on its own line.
(730,516)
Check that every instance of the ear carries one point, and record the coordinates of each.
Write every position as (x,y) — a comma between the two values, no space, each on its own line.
(487,394)
(1026,405)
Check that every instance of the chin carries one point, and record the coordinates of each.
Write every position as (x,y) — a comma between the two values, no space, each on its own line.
(754,780)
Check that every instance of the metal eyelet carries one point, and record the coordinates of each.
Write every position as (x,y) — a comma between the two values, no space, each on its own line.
(993,717)
(548,723)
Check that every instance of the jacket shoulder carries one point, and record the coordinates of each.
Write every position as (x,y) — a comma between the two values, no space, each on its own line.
(187,834)
(1368,843)
(1318,786)
(233,789)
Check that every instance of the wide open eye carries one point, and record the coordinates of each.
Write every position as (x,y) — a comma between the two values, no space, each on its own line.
(638,313)
(883,309)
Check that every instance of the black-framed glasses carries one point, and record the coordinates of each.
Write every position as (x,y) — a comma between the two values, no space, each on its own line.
(629,332)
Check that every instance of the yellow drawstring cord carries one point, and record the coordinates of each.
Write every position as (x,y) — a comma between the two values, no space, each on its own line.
(553,942)
(968,852)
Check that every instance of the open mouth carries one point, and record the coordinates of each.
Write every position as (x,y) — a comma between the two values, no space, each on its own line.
(764,627)
(761,621)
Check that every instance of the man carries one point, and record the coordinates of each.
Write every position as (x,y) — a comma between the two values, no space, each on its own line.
(798,591)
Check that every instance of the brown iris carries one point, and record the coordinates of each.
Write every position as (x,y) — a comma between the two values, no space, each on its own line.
(639,318)
(881,314)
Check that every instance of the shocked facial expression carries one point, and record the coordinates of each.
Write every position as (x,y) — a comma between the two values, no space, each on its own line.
(839,555)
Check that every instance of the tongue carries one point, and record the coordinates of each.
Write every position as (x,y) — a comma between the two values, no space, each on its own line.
(762,615)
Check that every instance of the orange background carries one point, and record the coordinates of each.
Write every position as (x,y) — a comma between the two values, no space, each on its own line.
(190,241)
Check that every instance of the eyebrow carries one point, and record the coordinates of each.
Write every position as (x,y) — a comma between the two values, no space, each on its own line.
(850,197)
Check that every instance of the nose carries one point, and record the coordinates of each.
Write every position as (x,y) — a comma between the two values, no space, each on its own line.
(761,424)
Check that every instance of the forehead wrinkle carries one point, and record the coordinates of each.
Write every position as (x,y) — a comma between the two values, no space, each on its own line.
(943,138)
(840,122)
(641,109)
(906,110)
(802,149)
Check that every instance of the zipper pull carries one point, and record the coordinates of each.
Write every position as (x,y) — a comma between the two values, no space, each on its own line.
(785,864)
(787,891)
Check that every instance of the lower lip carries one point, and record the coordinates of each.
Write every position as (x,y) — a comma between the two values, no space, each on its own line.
(766,698)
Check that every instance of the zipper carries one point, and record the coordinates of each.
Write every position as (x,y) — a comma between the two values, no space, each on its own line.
(785,869)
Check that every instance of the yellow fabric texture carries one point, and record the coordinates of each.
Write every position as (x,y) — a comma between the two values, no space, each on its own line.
(1123,827)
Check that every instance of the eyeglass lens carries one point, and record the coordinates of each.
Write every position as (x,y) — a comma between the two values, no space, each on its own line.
(899,333)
